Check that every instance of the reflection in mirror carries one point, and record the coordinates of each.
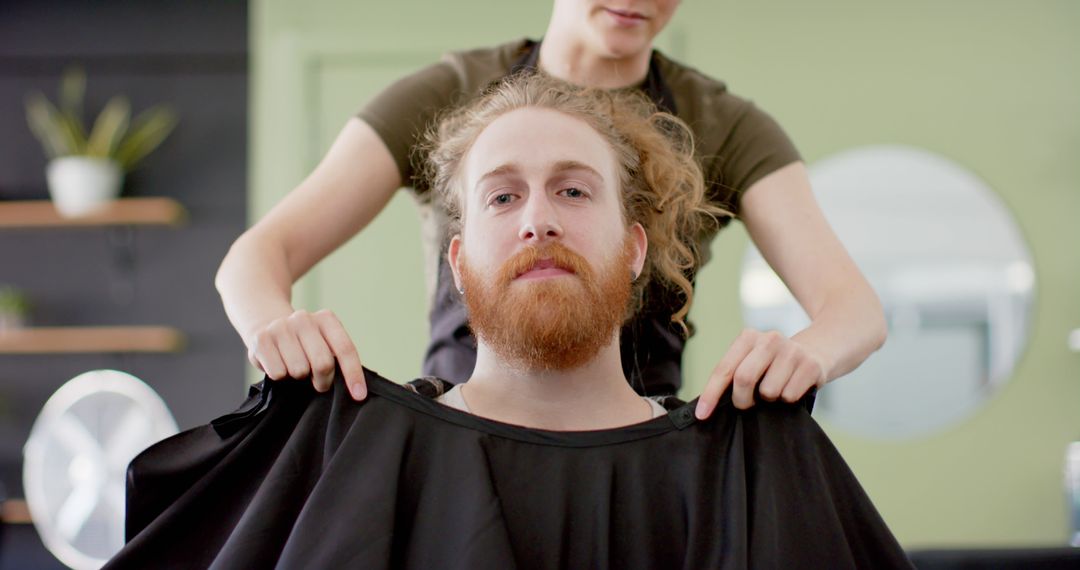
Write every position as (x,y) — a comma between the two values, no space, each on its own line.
(954,276)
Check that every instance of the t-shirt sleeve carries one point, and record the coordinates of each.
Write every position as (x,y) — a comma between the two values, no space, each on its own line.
(401,112)
(755,146)
(761,147)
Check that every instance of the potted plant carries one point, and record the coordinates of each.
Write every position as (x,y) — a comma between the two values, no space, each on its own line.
(14,308)
(86,171)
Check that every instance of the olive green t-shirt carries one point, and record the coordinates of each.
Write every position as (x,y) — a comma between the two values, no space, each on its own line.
(736,144)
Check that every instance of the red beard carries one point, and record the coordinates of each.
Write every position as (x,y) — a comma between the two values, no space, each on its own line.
(554,323)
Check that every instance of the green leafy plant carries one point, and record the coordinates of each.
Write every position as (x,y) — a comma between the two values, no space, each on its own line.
(13,301)
(114,134)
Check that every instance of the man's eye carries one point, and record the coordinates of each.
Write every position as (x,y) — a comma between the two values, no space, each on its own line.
(574,193)
(502,199)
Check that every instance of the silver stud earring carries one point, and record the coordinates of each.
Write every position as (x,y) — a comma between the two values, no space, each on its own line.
(461,290)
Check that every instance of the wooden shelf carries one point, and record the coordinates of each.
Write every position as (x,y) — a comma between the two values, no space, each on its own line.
(62,340)
(122,212)
(14,511)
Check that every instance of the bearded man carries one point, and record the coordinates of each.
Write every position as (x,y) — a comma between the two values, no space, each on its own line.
(565,204)
(555,196)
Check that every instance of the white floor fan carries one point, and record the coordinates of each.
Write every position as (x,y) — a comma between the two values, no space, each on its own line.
(75,462)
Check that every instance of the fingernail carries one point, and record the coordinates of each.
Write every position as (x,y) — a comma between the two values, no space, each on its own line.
(702,411)
(357,392)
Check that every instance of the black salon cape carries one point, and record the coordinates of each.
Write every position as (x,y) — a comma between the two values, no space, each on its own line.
(299,479)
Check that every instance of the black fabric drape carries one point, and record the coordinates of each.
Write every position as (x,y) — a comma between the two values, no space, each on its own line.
(299,479)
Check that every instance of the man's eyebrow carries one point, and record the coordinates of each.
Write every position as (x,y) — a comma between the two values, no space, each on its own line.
(502,170)
(564,165)
(559,167)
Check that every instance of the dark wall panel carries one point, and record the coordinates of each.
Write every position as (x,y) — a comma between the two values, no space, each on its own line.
(192,55)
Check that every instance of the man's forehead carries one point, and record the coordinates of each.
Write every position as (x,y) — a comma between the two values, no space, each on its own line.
(538,141)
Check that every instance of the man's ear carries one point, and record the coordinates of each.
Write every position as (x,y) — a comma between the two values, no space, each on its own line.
(640,241)
(453,255)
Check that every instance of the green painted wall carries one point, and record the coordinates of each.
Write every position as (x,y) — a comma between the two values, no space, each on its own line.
(992,85)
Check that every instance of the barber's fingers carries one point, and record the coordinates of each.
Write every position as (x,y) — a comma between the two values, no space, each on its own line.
(305,344)
(808,372)
(320,359)
(753,367)
(254,360)
(721,376)
(779,374)
(344,350)
(271,364)
(264,354)
(292,353)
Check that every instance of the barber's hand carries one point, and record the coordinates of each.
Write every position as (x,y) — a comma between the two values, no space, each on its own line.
(307,344)
(785,368)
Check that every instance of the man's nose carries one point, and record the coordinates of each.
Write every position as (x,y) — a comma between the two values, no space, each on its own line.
(540,221)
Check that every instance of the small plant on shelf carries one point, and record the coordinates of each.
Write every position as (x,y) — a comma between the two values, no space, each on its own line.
(14,308)
(86,168)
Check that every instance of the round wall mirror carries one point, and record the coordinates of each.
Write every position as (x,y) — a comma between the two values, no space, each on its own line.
(953,273)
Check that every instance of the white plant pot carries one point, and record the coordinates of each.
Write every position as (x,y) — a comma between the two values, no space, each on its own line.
(81,185)
(11,321)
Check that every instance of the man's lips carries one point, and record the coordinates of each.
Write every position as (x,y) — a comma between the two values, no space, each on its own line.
(544,268)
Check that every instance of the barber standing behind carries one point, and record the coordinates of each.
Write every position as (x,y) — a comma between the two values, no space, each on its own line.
(751,169)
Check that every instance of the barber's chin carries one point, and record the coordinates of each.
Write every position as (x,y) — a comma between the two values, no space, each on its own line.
(622,43)
(625,50)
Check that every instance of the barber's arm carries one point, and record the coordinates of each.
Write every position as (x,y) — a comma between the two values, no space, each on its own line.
(349,187)
(847,320)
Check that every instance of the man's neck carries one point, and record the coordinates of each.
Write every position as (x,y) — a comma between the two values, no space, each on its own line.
(569,59)
(593,396)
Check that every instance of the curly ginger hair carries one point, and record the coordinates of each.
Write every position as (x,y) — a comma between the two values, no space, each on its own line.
(660,180)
